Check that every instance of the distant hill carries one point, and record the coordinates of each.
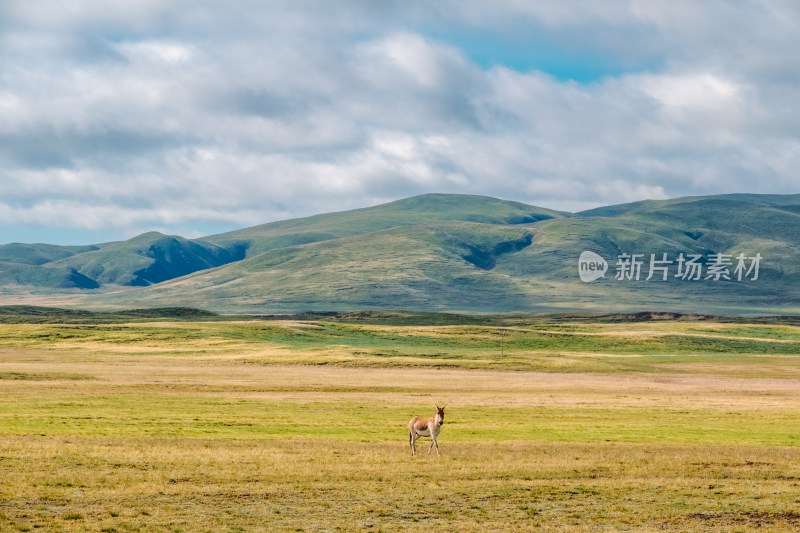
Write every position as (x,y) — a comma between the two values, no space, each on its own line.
(149,258)
(441,252)
(36,276)
(416,211)
(38,254)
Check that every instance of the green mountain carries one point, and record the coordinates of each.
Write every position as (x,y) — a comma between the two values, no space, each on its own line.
(43,276)
(433,266)
(427,209)
(450,252)
(146,259)
(38,254)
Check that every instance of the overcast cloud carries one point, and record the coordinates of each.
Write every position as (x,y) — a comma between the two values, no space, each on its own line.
(196,117)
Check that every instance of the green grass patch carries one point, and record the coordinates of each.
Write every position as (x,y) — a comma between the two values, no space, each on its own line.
(42,376)
(651,347)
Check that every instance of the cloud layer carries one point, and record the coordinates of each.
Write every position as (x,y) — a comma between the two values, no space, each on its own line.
(198,116)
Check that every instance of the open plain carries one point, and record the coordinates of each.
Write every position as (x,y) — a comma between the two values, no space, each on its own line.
(300,425)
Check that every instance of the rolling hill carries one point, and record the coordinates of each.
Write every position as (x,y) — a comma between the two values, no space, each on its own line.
(428,209)
(443,252)
(146,259)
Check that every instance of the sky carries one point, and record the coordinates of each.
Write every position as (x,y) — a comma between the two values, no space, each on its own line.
(195,117)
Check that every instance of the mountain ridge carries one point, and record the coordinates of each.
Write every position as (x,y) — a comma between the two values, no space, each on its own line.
(431,252)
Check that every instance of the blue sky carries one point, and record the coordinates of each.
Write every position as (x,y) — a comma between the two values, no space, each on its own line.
(527,48)
(197,117)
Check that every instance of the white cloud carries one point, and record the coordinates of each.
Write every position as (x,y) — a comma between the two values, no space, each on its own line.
(194,114)
(159,51)
(408,60)
(691,93)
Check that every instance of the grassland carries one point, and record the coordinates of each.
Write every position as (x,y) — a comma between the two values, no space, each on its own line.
(299,425)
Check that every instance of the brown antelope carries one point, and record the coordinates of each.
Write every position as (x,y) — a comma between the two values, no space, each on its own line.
(426,427)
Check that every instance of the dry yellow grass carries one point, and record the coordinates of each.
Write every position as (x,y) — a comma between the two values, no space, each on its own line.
(205,434)
(158,484)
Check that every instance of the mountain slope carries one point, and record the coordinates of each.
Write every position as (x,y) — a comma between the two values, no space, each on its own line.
(461,265)
(153,258)
(783,201)
(39,254)
(417,210)
(750,230)
(42,276)
(407,267)
(146,259)
(453,252)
